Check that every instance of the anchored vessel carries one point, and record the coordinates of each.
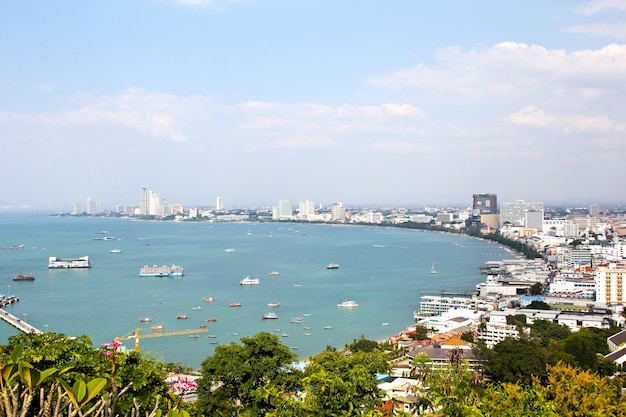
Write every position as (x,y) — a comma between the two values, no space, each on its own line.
(161,271)
(67,263)
(250,281)
(22,277)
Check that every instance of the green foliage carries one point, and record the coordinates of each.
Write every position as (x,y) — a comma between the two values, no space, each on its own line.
(536,289)
(515,361)
(363,345)
(538,305)
(235,379)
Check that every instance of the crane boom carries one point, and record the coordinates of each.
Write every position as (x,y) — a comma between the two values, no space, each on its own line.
(135,335)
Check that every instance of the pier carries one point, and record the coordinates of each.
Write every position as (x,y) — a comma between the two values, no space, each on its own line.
(18,323)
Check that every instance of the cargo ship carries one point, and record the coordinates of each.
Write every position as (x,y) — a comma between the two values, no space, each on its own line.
(161,271)
(68,263)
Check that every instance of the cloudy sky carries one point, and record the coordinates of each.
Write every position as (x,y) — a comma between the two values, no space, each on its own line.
(364,102)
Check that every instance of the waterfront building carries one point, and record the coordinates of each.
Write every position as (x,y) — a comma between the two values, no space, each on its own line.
(337,212)
(219,204)
(515,213)
(143,198)
(77,209)
(445,217)
(306,210)
(434,305)
(485,204)
(285,209)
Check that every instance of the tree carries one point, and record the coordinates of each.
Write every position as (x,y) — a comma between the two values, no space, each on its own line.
(538,305)
(363,345)
(236,378)
(536,289)
(515,361)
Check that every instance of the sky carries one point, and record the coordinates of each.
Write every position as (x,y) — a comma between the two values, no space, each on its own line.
(362,102)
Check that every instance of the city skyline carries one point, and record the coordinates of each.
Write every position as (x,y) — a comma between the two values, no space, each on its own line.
(369,104)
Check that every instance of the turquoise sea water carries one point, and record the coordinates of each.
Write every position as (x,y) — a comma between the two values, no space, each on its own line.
(385,270)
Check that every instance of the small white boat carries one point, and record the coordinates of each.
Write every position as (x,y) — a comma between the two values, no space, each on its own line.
(115,251)
(269,316)
(250,281)
(433,270)
(273,304)
(332,266)
(196,308)
(348,304)
(274,273)
(158,326)
(145,319)
(229,250)
(208,298)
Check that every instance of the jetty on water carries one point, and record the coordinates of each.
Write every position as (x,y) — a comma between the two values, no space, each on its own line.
(18,323)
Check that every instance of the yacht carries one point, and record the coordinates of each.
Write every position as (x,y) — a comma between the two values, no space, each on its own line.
(269,316)
(273,304)
(332,266)
(250,281)
(348,304)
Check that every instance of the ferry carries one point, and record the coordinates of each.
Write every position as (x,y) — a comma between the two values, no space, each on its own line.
(161,271)
(269,316)
(22,277)
(68,263)
(250,281)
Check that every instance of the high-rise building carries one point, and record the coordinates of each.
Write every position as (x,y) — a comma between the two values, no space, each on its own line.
(337,212)
(219,204)
(306,209)
(533,219)
(594,210)
(143,197)
(515,213)
(485,204)
(285,209)
(77,209)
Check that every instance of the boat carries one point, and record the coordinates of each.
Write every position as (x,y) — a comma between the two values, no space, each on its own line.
(432,269)
(211,336)
(104,238)
(307,334)
(202,326)
(161,271)
(306,314)
(250,281)
(208,298)
(158,326)
(328,327)
(297,320)
(145,319)
(274,273)
(269,316)
(22,277)
(332,266)
(14,247)
(385,324)
(115,251)
(194,336)
(213,342)
(196,308)
(68,263)
(284,335)
(273,304)
(229,250)
(182,317)
(212,319)
(235,304)
(348,304)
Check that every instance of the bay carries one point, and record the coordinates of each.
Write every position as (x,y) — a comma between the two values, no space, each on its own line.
(385,270)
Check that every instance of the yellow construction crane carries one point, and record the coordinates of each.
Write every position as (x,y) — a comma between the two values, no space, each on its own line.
(135,334)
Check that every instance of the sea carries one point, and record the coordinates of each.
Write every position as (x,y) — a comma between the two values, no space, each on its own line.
(385,270)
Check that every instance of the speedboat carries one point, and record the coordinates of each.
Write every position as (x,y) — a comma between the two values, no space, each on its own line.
(332,266)
(115,251)
(269,316)
(196,308)
(250,281)
(273,304)
(208,298)
(348,304)
(145,319)
(235,304)
(274,273)
(297,320)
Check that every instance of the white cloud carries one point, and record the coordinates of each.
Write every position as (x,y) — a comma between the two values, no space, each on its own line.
(614,30)
(599,6)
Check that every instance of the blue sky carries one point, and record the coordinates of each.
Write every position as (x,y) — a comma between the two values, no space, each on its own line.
(363,102)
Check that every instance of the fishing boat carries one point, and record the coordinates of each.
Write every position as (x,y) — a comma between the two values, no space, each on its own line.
(182,317)
(211,320)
